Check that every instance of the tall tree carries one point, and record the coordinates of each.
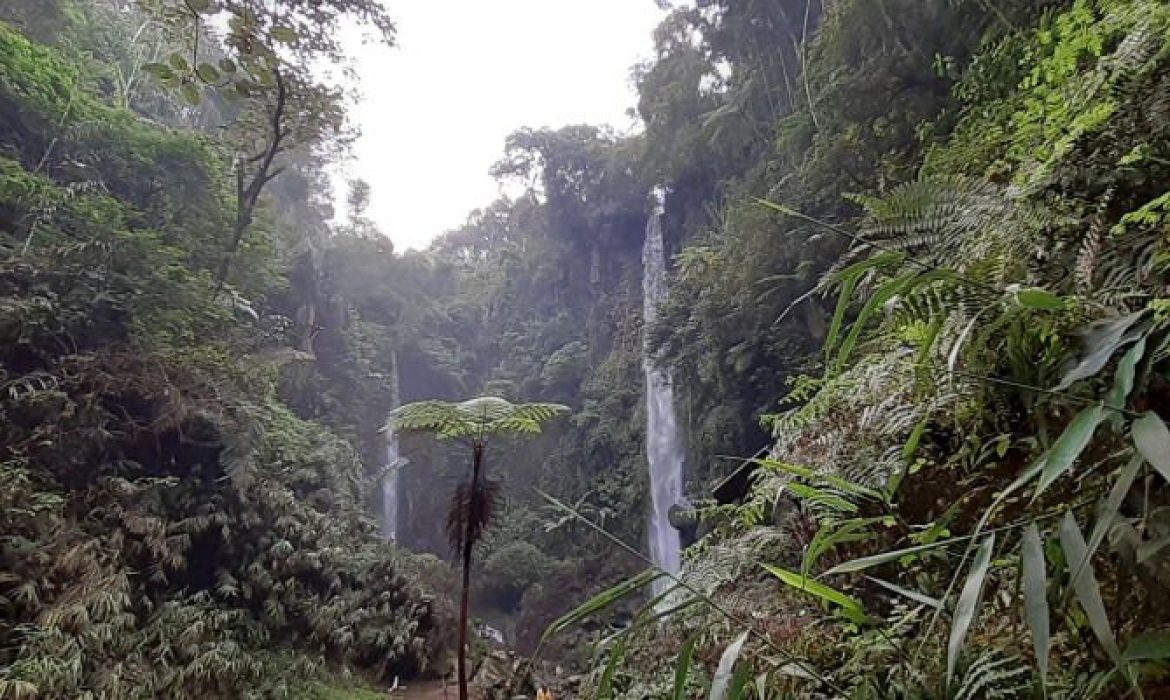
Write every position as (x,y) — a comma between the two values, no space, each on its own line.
(273,60)
(472,422)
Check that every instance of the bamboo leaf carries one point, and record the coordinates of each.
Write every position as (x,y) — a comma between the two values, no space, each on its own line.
(967,608)
(907,593)
(851,607)
(683,670)
(1108,511)
(1124,376)
(1100,340)
(1088,591)
(862,563)
(723,673)
(1036,596)
(1152,439)
(1069,446)
(601,601)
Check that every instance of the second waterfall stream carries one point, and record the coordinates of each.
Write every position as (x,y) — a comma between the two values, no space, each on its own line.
(664,450)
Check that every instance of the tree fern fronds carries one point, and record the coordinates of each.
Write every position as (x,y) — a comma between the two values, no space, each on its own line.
(995,676)
(482,416)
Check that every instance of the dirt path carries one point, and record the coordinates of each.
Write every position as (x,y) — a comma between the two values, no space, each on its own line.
(427,690)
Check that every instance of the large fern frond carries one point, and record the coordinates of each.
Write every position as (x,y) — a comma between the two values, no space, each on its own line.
(482,416)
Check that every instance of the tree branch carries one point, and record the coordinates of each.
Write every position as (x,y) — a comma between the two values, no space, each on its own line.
(248,195)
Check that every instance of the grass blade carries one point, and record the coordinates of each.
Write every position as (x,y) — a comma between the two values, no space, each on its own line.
(605,685)
(739,683)
(1036,597)
(683,670)
(723,674)
(967,608)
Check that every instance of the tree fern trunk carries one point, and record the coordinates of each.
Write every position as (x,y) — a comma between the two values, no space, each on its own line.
(465,592)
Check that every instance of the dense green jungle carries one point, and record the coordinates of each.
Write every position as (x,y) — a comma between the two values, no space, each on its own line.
(846,375)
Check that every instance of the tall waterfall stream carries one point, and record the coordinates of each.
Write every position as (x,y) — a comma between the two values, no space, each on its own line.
(664,450)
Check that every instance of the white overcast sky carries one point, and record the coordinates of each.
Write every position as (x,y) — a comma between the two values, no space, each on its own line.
(436,108)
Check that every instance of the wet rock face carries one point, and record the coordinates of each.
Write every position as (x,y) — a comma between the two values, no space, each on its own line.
(503,676)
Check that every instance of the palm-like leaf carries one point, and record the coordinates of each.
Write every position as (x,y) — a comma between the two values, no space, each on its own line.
(479,417)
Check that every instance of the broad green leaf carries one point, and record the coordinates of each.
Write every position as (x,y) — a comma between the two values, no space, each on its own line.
(849,606)
(1152,439)
(199,5)
(207,73)
(1123,377)
(191,94)
(1148,550)
(1154,646)
(724,672)
(1099,341)
(159,70)
(1108,511)
(683,670)
(1088,591)
(227,65)
(602,600)
(178,62)
(1036,298)
(1069,446)
(1035,584)
(285,35)
(907,593)
(967,607)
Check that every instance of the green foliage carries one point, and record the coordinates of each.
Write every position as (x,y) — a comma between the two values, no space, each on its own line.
(475,418)
(171,527)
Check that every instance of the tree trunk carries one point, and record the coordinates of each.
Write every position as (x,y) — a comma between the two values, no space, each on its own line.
(465,592)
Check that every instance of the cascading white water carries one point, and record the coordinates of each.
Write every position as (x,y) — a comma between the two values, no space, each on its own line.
(664,449)
(390,482)
(391,478)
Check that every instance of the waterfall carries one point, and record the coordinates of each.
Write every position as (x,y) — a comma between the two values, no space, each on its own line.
(390,472)
(664,450)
